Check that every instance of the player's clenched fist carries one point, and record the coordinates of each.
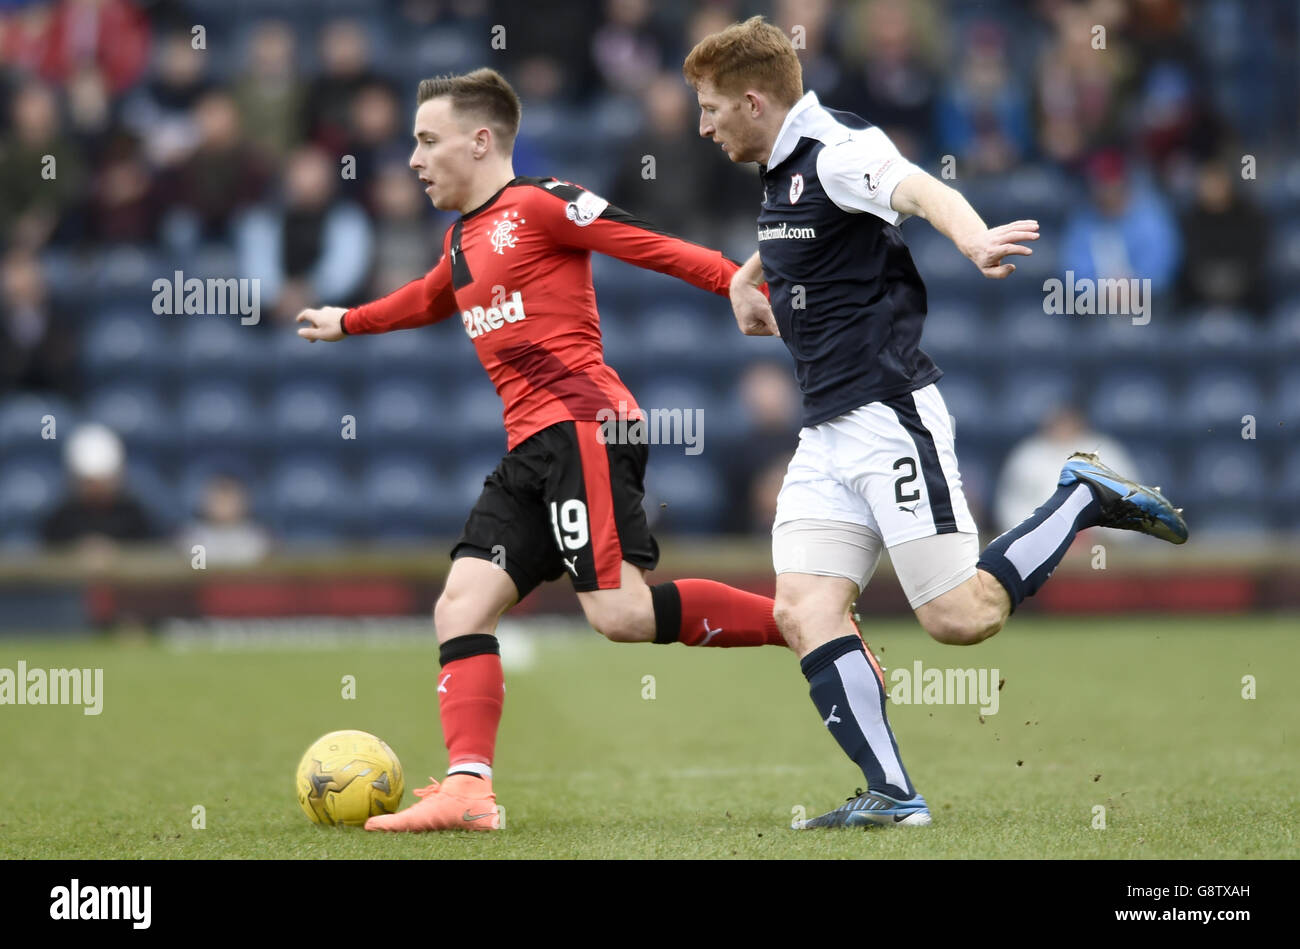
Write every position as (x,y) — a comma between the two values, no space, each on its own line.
(325,323)
(753,311)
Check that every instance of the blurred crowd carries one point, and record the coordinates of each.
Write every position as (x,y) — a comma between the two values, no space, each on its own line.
(274,145)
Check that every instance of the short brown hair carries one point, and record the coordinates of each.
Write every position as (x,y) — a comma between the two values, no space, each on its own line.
(750,55)
(483,93)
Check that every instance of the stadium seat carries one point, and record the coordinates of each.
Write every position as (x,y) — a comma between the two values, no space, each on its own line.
(1227,473)
(309,414)
(220,414)
(212,349)
(404,412)
(406,497)
(30,487)
(291,357)
(1223,336)
(1286,402)
(952,335)
(26,415)
(1286,498)
(122,345)
(1026,397)
(968,403)
(683,495)
(1029,337)
(412,352)
(1218,398)
(136,411)
(1130,403)
(311,499)
(1283,333)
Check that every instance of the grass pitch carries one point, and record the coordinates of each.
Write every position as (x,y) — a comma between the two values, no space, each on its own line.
(1143,717)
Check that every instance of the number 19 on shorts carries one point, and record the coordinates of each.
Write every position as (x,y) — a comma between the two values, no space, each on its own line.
(569,521)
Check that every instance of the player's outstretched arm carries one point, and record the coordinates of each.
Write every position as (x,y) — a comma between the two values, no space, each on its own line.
(325,323)
(424,300)
(950,214)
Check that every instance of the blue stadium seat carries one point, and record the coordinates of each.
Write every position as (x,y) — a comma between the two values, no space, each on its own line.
(220,414)
(212,349)
(1283,333)
(310,414)
(1111,342)
(404,497)
(472,414)
(311,499)
(1227,337)
(1286,402)
(696,401)
(680,335)
(968,403)
(407,414)
(691,489)
(1026,398)
(1029,338)
(1131,403)
(30,486)
(412,352)
(1220,397)
(1227,472)
(292,357)
(23,420)
(953,334)
(1286,498)
(137,411)
(120,345)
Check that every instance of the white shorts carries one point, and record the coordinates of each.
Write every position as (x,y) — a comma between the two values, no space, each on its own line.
(889,467)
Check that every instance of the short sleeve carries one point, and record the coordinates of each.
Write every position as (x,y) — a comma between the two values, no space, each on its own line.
(861,172)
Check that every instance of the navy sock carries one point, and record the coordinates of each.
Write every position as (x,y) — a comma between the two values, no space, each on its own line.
(1024,557)
(851,700)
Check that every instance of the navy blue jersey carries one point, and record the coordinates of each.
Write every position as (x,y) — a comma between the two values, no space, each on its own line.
(844,290)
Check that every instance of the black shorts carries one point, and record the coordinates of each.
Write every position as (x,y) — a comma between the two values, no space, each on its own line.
(561,502)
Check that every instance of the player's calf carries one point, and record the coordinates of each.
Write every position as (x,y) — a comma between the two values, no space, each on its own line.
(967,614)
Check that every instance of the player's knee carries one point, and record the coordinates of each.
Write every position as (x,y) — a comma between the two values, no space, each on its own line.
(802,621)
(455,615)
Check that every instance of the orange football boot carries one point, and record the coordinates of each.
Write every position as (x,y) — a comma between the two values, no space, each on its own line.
(460,802)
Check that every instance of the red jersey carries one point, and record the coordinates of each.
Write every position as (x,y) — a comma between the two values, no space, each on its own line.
(518,272)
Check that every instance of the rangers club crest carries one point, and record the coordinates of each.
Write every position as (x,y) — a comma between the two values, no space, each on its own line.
(796,188)
(502,231)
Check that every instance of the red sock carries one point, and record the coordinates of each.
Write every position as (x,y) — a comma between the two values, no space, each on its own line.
(471,692)
(714,614)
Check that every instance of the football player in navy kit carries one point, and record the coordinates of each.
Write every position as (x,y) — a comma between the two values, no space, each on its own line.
(875,466)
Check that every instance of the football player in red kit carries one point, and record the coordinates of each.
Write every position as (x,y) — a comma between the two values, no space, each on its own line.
(516,269)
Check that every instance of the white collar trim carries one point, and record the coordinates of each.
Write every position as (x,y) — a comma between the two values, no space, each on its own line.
(787,138)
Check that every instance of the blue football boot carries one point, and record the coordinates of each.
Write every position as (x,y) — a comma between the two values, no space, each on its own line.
(1125,504)
(871,808)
